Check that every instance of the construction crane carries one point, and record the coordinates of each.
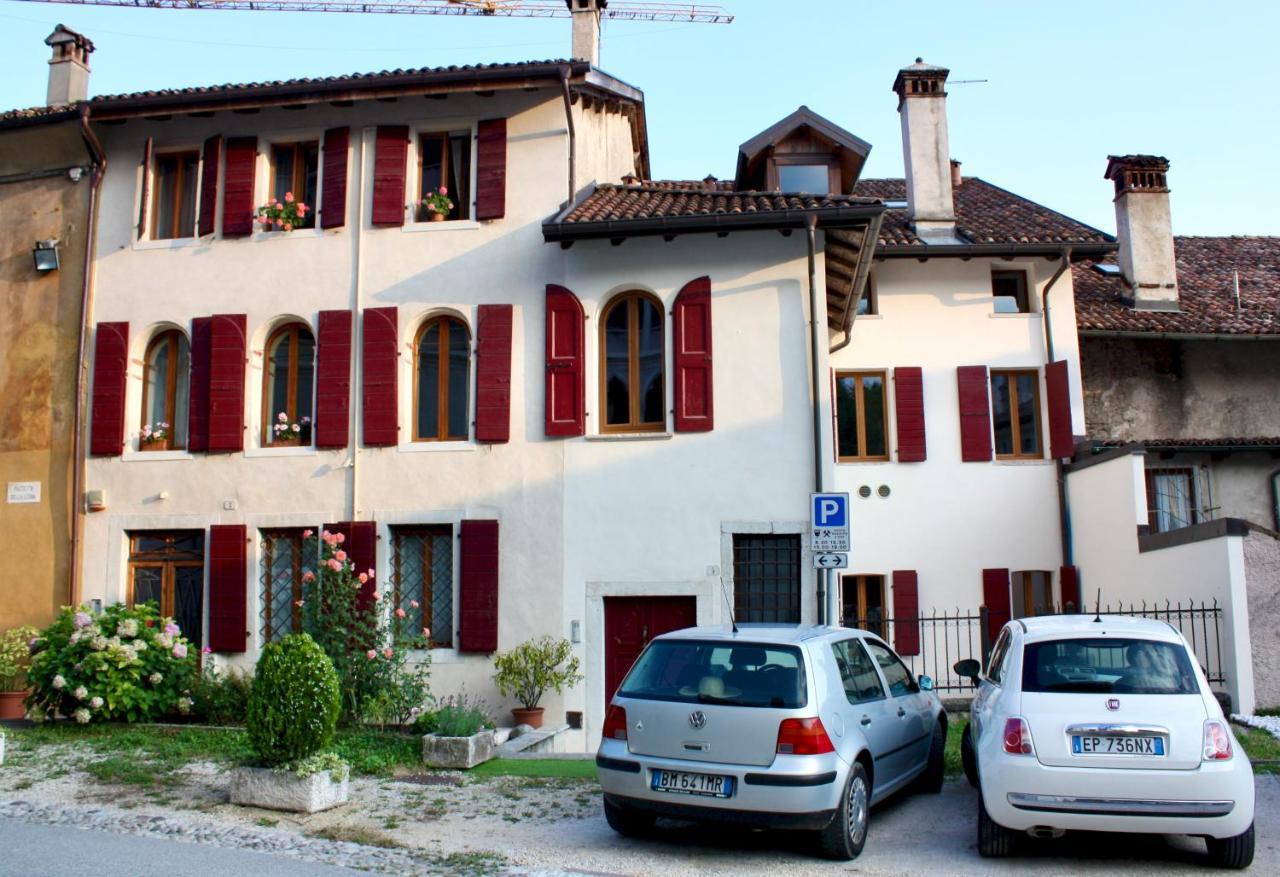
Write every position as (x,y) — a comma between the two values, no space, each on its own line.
(622,11)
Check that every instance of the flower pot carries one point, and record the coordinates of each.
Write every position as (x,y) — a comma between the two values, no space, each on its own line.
(532,718)
(458,753)
(11,706)
(276,790)
(435,217)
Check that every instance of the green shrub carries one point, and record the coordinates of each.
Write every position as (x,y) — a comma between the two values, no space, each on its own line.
(130,664)
(221,698)
(293,704)
(456,716)
(15,657)
(532,667)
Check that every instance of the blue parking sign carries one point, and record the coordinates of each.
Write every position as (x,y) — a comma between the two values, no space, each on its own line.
(829,522)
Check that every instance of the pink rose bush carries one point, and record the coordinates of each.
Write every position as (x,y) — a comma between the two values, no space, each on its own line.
(284,215)
(436,202)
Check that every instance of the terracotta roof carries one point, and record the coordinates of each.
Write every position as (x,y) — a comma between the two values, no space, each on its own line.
(34,115)
(985,214)
(1207,269)
(1261,443)
(657,199)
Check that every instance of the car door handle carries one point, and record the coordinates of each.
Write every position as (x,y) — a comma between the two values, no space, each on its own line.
(866,720)
(901,712)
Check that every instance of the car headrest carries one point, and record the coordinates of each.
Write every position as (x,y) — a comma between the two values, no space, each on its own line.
(747,656)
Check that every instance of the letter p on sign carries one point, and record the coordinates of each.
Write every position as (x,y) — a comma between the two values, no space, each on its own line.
(830,522)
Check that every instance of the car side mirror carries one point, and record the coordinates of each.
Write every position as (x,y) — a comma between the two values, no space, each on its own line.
(968,669)
(926,683)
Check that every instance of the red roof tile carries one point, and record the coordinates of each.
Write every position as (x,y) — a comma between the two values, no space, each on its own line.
(655,199)
(1207,270)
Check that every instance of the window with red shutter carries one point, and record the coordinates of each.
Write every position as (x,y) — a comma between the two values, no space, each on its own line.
(360,541)
(565,388)
(379,359)
(478,588)
(491,169)
(975,414)
(237,186)
(493,373)
(333,186)
(693,389)
(144,203)
(227,349)
(209,184)
(389,157)
(908,407)
(1058,389)
(198,410)
(995,596)
(333,380)
(1069,581)
(906,612)
(110,372)
(228,588)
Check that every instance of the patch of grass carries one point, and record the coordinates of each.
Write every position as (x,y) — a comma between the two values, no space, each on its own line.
(1261,747)
(557,768)
(1267,711)
(267,822)
(22,784)
(471,864)
(378,753)
(955,727)
(120,770)
(357,835)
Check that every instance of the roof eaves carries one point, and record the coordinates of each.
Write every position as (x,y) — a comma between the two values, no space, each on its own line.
(922,250)
(828,217)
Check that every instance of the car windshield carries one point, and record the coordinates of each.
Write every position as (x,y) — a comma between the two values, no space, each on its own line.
(737,674)
(1136,666)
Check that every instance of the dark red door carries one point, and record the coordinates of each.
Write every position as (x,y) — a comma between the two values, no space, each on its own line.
(629,624)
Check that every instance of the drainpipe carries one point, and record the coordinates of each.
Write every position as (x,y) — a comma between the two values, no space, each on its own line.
(96,174)
(573,151)
(825,591)
(1064,507)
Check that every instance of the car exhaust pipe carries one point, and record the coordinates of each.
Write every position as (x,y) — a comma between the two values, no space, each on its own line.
(1045,832)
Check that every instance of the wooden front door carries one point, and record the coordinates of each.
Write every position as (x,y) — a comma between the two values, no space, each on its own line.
(629,624)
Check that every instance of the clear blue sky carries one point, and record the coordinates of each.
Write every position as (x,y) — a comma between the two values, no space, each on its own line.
(1067,83)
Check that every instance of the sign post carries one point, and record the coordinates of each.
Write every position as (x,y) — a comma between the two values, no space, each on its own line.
(829,542)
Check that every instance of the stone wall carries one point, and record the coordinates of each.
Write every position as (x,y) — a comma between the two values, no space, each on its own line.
(1262,571)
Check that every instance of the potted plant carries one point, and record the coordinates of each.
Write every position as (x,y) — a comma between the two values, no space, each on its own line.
(283,215)
(154,438)
(285,432)
(436,206)
(457,734)
(530,669)
(15,659)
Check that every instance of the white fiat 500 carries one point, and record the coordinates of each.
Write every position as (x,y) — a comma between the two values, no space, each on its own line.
(1103,723)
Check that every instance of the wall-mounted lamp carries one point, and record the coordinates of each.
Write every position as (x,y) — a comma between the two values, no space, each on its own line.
(45,254)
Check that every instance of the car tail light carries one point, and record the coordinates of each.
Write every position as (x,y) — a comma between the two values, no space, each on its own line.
(1217,741)
(615,723)
(803,737)
(1017,737)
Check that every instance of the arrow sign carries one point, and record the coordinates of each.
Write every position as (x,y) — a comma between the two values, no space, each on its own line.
(830,561)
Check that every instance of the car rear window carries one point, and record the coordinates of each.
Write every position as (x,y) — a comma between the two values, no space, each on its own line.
(1136,666)
(737,674)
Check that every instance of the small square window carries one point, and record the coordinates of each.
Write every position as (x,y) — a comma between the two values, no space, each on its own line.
(1009,292)
(809,178)
(868,305)
(444,160)
(295,170)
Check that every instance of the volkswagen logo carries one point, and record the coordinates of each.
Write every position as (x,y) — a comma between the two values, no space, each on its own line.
(1113,704)
(697,720)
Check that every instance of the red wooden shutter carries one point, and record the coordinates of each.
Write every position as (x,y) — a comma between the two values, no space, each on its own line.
(333,189)
(491,169)
(226,382)
(389,155)
(1069,579)
(565,390)
(378,387)
(361,544)
(995,596)
(110,372)
(1058,389)
(906,612)
(333,380)
(209,185)
(493,373)
(975,414)
(478,589)
(908,406)
(691,355)
(237,186)
(198,406)
(228,590)
(144,204)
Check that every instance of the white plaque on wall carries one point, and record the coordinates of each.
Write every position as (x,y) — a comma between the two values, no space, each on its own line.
(24,491)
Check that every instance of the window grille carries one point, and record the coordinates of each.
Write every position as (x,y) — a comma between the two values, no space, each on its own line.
(1178,496)
(422,573)
(281,580)
(766,578)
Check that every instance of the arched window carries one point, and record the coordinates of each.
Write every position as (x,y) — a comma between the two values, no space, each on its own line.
(288,386)
(165,378)
(443,356)
(632,392)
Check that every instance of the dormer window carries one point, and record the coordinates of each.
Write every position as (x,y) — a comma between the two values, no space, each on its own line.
(803,153)
(810,178)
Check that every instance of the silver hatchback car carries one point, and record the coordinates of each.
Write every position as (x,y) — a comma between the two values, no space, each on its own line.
(771,727)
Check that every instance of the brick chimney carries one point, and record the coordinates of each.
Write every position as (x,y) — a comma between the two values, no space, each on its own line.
(69,66)
(586,29)
(922,106)
(1145,229)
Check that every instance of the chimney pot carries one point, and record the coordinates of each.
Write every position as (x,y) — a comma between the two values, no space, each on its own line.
(922,106)
(586,29)
(69,66)
(1144,228)
(956,178)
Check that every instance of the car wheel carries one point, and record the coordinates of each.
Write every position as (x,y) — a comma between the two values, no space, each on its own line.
(994,841)
(935,770)
(628,821)
(967,759)
(1231,852)
(846,834)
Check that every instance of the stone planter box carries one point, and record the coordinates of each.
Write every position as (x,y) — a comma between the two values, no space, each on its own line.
(459,753)
(263,787)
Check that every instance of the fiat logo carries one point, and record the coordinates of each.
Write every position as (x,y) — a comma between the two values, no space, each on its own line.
(1113,704)
(697,720)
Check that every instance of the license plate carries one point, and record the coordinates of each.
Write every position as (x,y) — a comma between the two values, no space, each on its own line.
(1107,745)
(681,783)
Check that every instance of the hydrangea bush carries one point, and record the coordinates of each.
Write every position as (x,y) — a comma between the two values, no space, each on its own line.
(129,664)
(293,704)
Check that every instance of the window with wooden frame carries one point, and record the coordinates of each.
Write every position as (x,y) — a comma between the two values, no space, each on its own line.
(811,173)
(1032,593)
(422,582)
(288,386)
(766,578)
(167,568)
(173,199)
(295,170)
(166,374)
(444,159)
(1009,292)
(862,417)
(864,605)
(1174,498)
(1015,414)
(280,606)
(441,377)
(632,363)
